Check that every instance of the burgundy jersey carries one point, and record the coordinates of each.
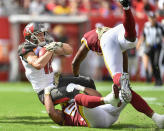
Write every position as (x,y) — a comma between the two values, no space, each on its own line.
(72,116)
(90,39)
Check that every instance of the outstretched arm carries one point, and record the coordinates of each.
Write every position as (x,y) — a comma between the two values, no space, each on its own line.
(79,57)
(55,114)
(88,91)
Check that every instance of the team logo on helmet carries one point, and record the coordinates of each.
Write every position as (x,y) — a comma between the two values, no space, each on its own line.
(29,29)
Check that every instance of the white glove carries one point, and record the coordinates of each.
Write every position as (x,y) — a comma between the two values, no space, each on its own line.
(80,88)
(73,86)
(48,89)
(53,46)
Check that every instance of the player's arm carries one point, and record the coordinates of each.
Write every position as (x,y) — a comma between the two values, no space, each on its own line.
(66,49)
(38,62)
(55,114)
(79,57)
(88,91)
(125,61)
(59,48)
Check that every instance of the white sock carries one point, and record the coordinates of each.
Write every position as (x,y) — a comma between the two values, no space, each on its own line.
(158,119)
(108,98)
(155,116)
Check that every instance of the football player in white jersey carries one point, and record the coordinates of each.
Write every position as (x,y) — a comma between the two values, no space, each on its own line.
(37,66)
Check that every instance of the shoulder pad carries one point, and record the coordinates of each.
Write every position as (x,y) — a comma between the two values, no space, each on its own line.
(24,48)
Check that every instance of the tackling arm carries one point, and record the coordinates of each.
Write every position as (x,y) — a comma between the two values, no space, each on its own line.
(79,57)
(92,92)
(56,115)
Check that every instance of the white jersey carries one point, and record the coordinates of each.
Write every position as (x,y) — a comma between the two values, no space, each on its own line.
(39,78)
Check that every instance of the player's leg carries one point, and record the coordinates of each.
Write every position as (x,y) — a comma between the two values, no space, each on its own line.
(97,117)
(113,58)
(128,21)
(141,105)
(127,37)
(112,52)
(91,101)
(112,109)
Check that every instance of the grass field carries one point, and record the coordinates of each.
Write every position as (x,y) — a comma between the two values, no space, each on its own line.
(20,109)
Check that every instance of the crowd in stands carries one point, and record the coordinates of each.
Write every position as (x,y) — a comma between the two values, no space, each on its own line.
(77,7)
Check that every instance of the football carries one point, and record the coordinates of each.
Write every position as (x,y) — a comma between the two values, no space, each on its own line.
(42,51)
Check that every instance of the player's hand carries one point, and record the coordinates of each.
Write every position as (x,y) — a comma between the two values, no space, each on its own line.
(53,46)
(72,86)
(47,90)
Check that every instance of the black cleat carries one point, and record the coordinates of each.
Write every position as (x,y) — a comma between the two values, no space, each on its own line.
(124,3)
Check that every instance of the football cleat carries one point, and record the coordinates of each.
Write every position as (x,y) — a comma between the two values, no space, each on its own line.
(124,3)
(125,92)
(159,120)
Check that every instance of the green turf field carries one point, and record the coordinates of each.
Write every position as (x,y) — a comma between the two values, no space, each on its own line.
(20,109)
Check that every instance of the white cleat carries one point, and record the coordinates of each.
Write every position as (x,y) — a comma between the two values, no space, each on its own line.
(125,92)
(159,120)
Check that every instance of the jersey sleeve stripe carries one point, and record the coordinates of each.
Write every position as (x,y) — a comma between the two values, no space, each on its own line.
(83,40)
(82,114)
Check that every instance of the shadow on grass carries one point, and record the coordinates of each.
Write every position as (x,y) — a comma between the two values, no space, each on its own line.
(121,126)
(27,120)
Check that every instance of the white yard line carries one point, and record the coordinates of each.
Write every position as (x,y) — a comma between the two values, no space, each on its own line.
(15,89)
(44,112)
(150,99)
(55,127)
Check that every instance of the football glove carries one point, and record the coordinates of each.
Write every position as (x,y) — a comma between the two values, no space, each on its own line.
(48,89)
(53,46)
(71,87)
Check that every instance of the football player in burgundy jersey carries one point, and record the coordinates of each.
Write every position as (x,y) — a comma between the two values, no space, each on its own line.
(91,110)
(112,43)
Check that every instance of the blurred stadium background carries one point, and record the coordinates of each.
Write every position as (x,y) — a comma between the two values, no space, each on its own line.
(67,21)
